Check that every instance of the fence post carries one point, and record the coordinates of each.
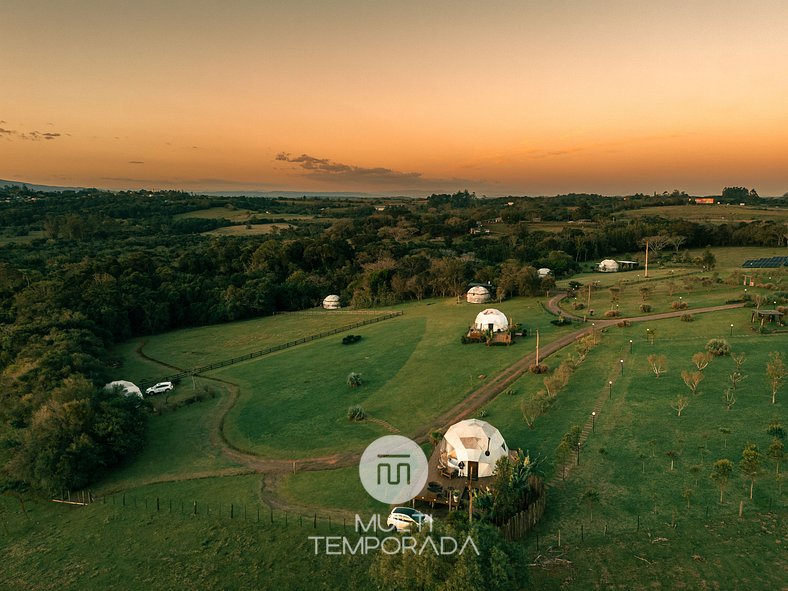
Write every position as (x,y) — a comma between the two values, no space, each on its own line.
(272,514)
(581,533)
(157,505)
(231,510)
(194,507)
(315,521)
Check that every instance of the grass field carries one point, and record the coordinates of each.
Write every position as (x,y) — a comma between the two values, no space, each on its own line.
(248,230)
(304,414)
(709,213)
(652,527)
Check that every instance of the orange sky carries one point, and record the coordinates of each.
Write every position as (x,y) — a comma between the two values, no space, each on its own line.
(497,97)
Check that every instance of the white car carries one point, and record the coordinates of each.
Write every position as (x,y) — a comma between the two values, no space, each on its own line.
(159,388)
(407,519)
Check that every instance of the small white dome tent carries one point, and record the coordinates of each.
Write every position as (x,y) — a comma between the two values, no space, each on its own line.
(128,388)
(543,272)
(608,266)
(491,319)
(473,447)
(478,294)
(331,302)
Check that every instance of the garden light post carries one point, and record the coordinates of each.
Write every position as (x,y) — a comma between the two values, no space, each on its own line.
(731,329)
(593,421)
(630,345)
(621,361)
(610,388)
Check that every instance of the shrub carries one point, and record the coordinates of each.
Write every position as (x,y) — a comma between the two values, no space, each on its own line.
(645,308)
(350,339)
(354,379)
(482,413)
(578,305)
(612,314)
(687,318)
(623,324)
(679,305)
(541,368)
(561,321)
(436,435)
(718,347)
(356,413)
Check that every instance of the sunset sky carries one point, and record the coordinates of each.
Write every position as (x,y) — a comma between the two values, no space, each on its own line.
(497,97)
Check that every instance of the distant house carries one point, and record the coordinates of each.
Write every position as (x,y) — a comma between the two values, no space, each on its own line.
(543,272)
(608,266)
(704,200)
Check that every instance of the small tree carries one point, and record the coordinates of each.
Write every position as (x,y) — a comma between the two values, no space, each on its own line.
(750,463)
(738,359)
(692,379)
(651,335)
(729,396)
(657,364)
(721,473)
(645,291)
(680,404)
(718,347)
(672,455)
(736,378)
(572,439)
(356,413)
(531,410)
(353,379)
(775,370)
(702,359)
(776,453)
(725,432)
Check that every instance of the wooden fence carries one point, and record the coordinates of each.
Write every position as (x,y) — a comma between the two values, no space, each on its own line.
(522,522)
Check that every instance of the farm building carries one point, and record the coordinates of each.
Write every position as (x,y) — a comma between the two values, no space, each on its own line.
(478,294)
(544,272)
(128,388)
(331,302)
(608,266)
(472,448)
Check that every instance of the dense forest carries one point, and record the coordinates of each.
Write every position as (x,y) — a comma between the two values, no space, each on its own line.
(82,270)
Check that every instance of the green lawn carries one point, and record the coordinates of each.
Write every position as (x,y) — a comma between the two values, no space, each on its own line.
(192,347)
(293,404)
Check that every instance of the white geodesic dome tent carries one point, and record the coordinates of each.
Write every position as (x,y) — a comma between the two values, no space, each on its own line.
(473,445)
(608,266)
(128,388)
(491,319)
(543,272)
(478,294)
(331,302)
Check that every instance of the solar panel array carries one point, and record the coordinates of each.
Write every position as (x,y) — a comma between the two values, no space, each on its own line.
(767,263)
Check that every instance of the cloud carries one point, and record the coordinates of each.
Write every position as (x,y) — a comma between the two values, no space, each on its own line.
(33,136)
(136,162)
(325,169)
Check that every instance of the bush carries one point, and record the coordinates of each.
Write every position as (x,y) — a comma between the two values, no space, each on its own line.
(578,305)
(541,368)
(687,318)
(718,347)
(679,305)
(645,308)
(350,339)
(354,379)
(561,321)
(482,413)
(623,324)
(356,413)
(612,313)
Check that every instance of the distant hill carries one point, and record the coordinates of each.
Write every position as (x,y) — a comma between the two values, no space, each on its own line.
(4,183)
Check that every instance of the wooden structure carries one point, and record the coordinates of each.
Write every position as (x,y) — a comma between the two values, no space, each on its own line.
(765,316)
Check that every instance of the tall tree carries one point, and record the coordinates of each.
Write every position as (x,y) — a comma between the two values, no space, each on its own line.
(750,463)
(721,473)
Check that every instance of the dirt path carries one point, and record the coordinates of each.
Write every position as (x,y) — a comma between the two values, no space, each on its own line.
(275,469)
